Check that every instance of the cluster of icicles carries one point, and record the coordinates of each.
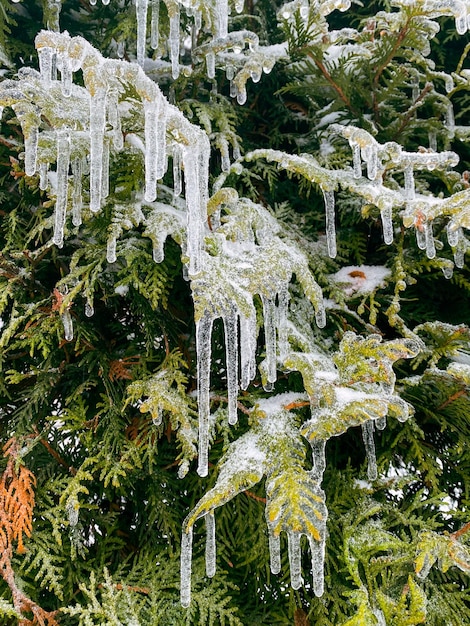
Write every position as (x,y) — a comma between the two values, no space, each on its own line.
(458,9)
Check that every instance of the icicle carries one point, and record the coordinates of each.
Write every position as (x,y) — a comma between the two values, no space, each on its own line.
(157,419)
(450,120)
(239,5)
(459,257)
(461,19)
(186,561)
(320,315)
(387,223)
(420,237)
(177,182)
(295,560)
(196,167)
(158,253)
(97,128)
(233,89)
(162,159)
(329,197)
(241,95)
(67,324)
(317,550)
(210,544)
(89,310)
(31,150)
(66,75)
(357,163)
(274,552)
(174,41)
(45,64)
(63,158)
(105,169)
(432,138)
(371,158)
(77,201)
(111,249)
(154,23)
(231,350)
(229,72)
(115,120)
(203,351)
(430,248)
(210,64)
(319,460)
(224,154)
(409,182)
(221,18)
(269,314)
(256,74)
(283,305)
(141,7)
(153,146)
(43,168)
(248,337)
(368,438)
(453,234)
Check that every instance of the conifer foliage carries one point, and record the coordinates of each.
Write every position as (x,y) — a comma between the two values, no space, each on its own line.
(234,319)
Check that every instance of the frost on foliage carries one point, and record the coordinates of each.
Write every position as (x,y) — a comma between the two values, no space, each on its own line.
(356,389)
(459,9)
(66,123)
(244,258)
(294,500)
(446,550)
(164,394)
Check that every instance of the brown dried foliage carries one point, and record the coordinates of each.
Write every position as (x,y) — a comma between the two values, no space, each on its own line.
(16,522)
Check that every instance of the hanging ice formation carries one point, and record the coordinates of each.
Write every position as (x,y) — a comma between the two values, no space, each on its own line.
(273,448)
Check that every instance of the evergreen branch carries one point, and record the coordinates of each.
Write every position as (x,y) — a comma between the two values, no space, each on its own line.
(54,453)
(335,85)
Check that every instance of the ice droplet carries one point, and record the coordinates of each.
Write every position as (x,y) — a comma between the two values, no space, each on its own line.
(274,552)
(448,271)
(111,249)
(231,349)
(63,158)
(369,444)
(89,310)
(186,562)
(453,234)
(203,351)
(420,237)
(210,544)
(295,560)
(141,7)
(428,234)
(67,324)
(329,197)
(241,95)
(381,423)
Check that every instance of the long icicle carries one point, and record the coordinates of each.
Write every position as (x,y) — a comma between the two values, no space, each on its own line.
(63,160)
(231,350)
(210,544)
(269,315)
(141,7)
(186,562)
(97,128)
(329,197)
(203,351)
